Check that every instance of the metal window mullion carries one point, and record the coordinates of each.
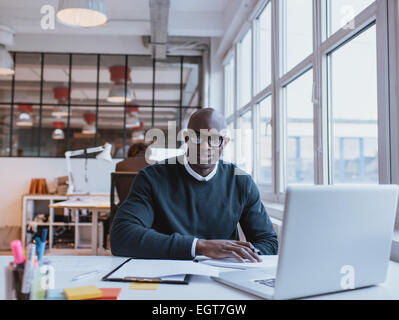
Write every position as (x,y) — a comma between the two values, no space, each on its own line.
(181,92)
(255,88)
(153,92)
(12,106)
(318,119)
(278,165)
(385,75)
(97,97)
(40,103)
(235,102)
(125,107)
(393,25)
(68,131)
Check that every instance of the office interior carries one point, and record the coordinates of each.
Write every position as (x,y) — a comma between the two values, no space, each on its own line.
(309,90)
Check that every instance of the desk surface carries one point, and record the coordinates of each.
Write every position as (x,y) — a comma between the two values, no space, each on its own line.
(84,203)
(199,288)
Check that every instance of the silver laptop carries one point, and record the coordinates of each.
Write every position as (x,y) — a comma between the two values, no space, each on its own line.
(334,238)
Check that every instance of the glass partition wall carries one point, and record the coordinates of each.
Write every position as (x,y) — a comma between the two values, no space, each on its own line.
(58,102)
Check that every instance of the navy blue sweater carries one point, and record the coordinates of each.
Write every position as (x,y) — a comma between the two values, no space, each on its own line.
(167,207)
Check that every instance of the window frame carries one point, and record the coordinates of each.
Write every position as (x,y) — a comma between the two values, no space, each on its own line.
(317,61)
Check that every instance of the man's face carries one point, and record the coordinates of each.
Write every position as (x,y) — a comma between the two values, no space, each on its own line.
(205,146)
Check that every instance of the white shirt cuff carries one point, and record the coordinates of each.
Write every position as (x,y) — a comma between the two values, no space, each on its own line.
(193,247)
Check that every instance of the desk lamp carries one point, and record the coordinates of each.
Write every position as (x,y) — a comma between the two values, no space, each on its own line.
(105,155)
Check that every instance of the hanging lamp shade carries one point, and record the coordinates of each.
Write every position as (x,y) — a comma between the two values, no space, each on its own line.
(24,119)
(82,13)
(117,92)
(58,133)
(61,94)
(132,119)
(89,127)
(6,61)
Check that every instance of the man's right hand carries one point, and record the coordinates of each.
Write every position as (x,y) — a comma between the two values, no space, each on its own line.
(227,249)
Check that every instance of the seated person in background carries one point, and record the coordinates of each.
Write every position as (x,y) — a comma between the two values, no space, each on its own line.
(135,160)
(192,206)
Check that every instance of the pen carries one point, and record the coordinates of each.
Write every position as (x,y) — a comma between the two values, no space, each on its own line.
(44,235)
(18,253)
(41,245)
(18,266)
(85,275)
(28,272)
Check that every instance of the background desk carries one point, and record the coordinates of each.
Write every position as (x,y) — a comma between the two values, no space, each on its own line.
(199,288)
(95,205)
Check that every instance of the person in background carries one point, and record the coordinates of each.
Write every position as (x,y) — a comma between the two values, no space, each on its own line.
(135,160)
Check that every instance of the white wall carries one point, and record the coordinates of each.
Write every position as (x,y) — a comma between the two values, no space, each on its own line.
(16,174)
(216,97)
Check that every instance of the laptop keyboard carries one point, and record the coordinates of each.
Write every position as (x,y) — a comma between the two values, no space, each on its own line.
(267,282)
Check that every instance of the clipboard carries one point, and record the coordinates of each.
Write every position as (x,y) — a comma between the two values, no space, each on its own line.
(108,277)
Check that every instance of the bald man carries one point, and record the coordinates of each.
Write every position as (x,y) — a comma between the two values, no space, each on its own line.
(192,205)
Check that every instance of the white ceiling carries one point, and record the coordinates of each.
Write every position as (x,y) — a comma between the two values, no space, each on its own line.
(126,17)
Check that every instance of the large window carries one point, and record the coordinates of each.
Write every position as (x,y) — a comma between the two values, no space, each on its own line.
(245,142)
(229,87)
(299,144)
(264,146)
(59,102)
(316,93)
(353,103)
(265,47)
(298,35)
(245,69)
(341,13)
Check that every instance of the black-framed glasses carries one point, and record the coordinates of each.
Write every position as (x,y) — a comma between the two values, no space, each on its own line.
(214,140)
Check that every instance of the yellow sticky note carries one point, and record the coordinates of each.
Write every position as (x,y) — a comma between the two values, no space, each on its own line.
(80,293)
(144,286)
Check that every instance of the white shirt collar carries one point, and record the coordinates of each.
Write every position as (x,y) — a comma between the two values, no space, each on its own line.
(197,176)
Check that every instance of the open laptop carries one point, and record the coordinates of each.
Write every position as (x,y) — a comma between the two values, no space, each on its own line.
(334,238)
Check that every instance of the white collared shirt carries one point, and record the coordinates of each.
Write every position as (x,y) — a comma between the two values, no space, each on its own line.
(198,177)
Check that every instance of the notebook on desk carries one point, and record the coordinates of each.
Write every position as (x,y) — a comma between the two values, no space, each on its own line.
(162,271)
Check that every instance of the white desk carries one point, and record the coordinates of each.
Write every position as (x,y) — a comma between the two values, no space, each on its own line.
(95,204)
(199,288)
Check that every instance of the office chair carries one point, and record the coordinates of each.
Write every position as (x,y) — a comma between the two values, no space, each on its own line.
(121,183)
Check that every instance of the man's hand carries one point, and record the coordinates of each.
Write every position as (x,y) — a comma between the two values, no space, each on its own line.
(227,249)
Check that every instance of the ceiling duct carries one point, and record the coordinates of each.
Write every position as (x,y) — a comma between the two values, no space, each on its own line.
(159,14)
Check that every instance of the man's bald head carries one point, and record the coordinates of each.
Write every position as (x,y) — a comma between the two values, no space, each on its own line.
(207,118)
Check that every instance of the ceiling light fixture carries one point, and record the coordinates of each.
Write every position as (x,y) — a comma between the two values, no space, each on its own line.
(117,91)
(62,95)
(82,13)
(25,116)
(58,133)
(6,62)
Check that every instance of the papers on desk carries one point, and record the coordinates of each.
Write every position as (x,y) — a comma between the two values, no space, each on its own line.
(267,262)
(162,270)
